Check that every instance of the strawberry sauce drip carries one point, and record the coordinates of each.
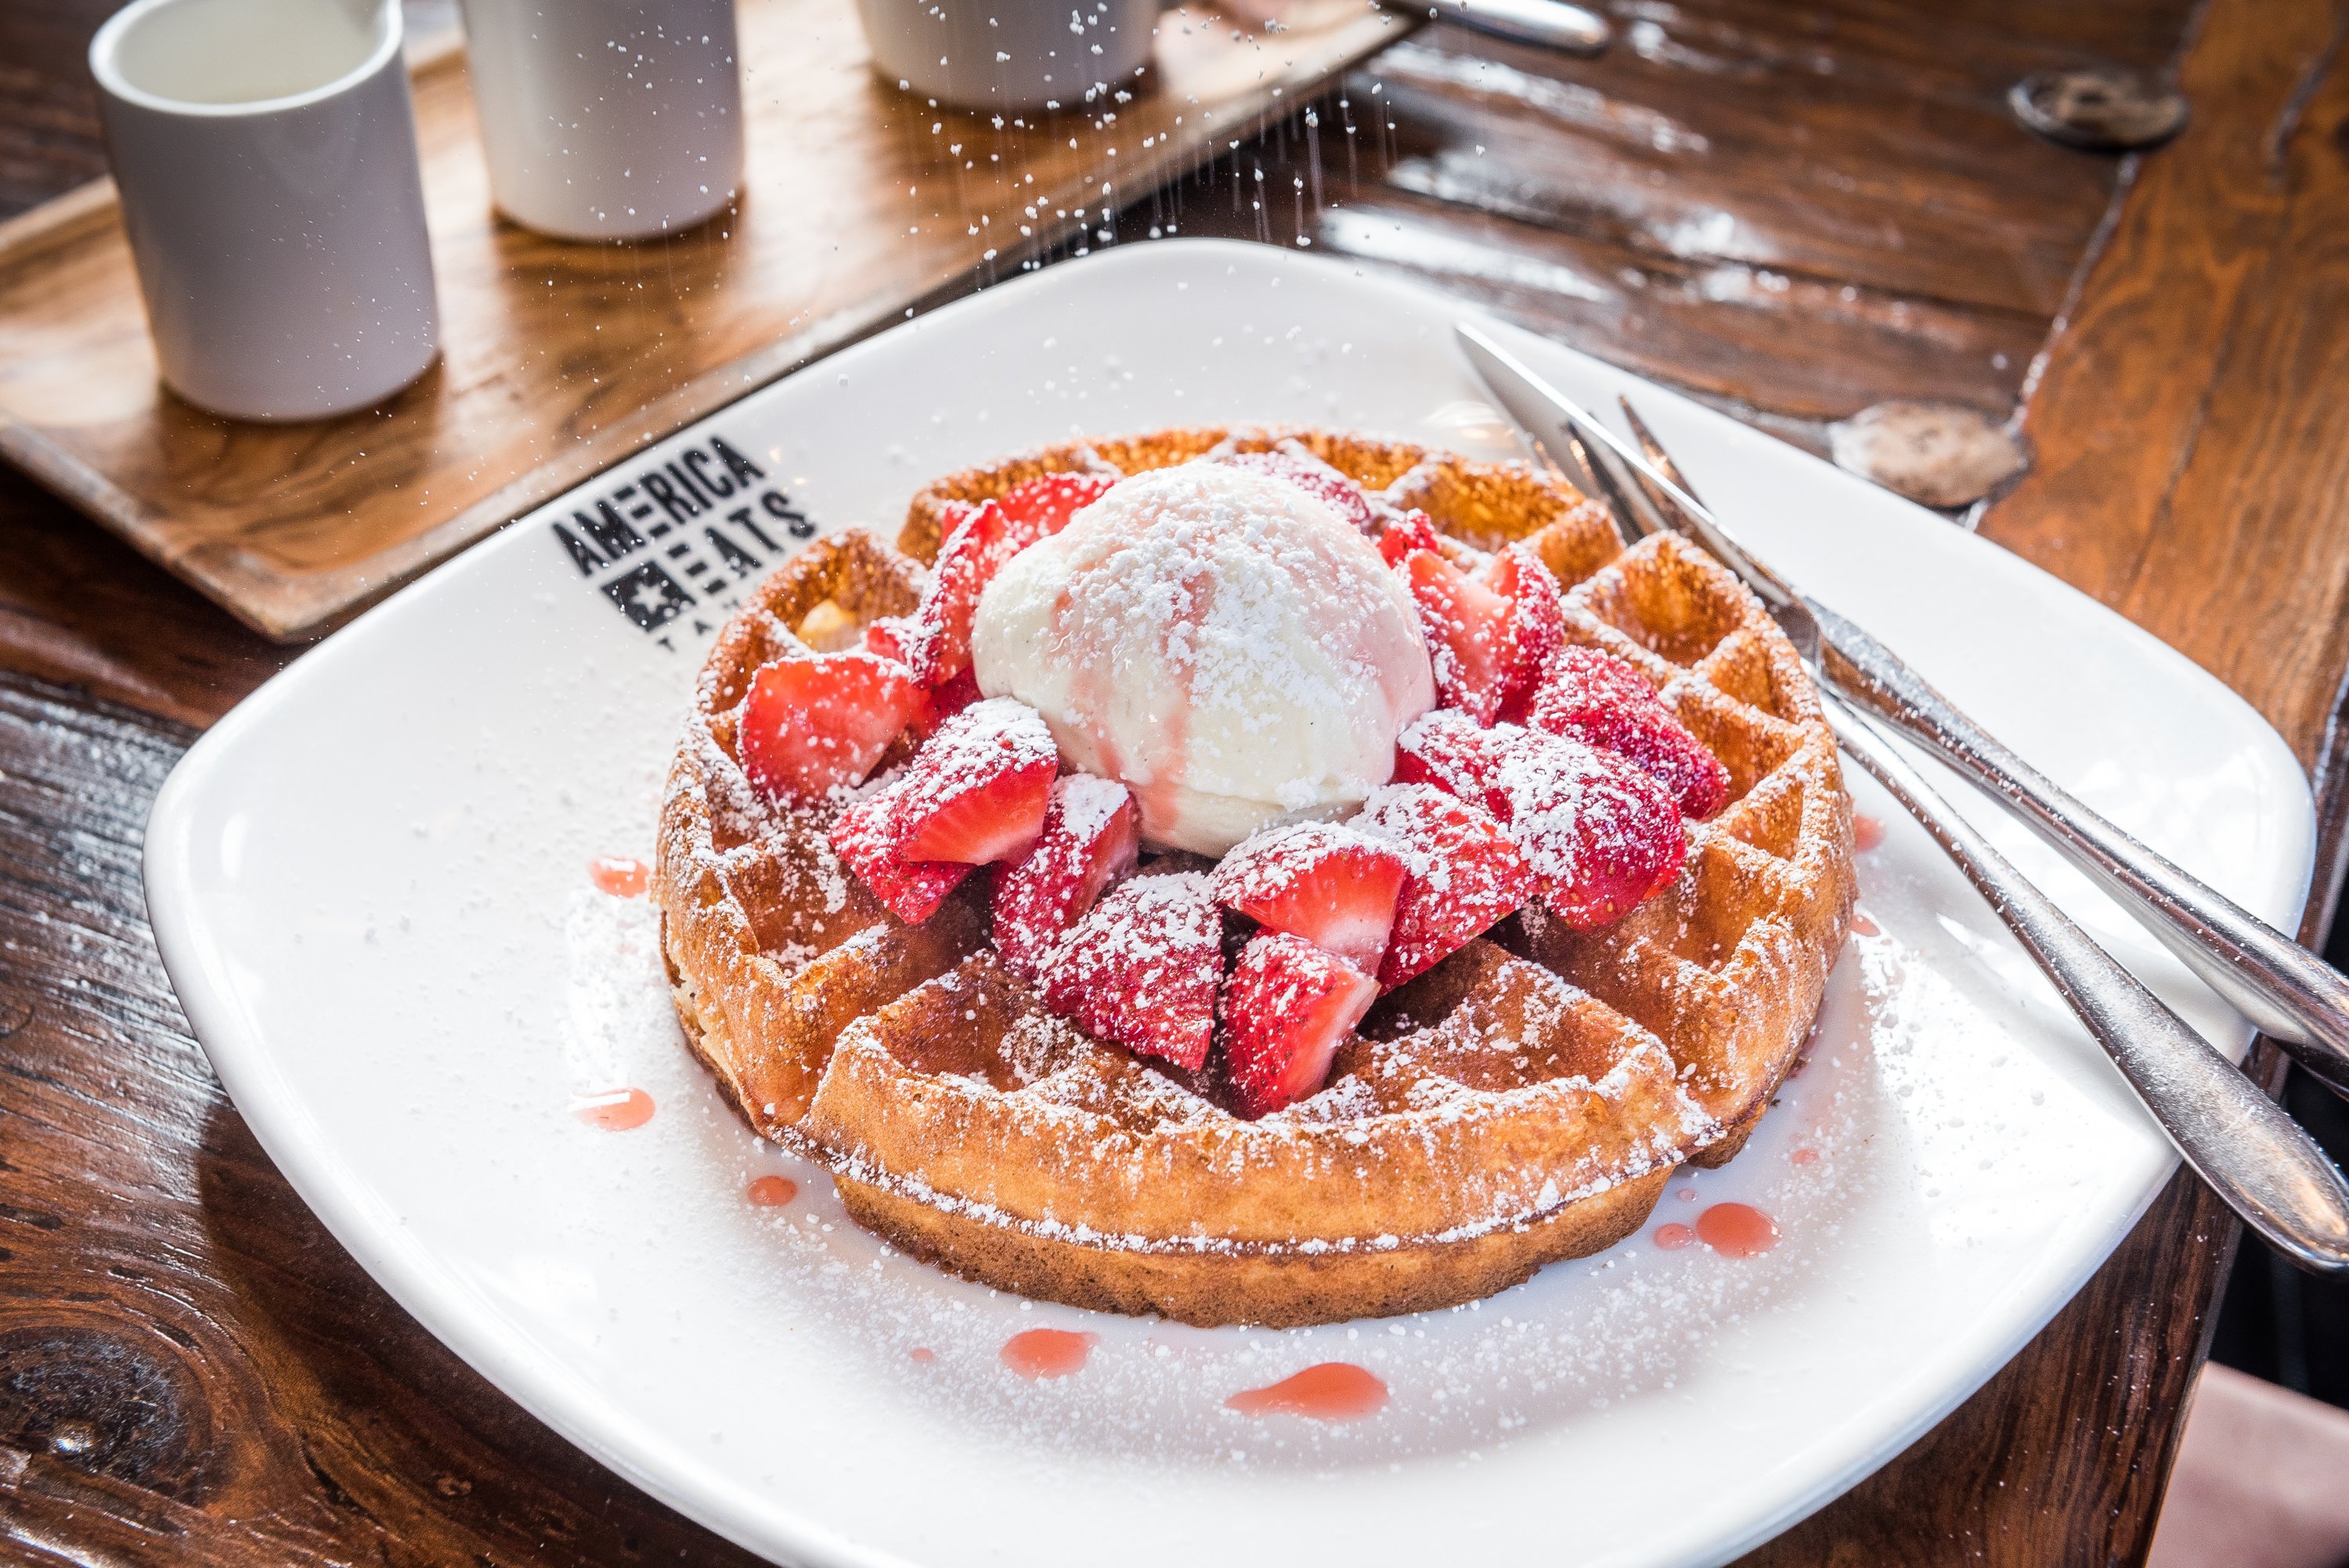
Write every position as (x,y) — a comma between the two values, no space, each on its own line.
(923,1354)
(1737,1230)
(1327,1391)
(1866,832)
(1865,926)
(1673,1237)
(771,1191)
(618,875)
(1040,1353)
(1804,1157)
(615,1111)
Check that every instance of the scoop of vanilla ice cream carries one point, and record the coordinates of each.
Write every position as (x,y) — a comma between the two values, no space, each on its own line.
(1218,640)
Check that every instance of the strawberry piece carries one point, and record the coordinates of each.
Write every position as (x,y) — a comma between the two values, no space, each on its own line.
(1467,635)
(1445,748)
(891,638)
(811,724)
(1537,624)
(977,789)
(1041,507)
(942,701)
(1328,884)
(936,637)
(935,640)
(1297,464)
(1406,533)
(869,838)
(1599,700)
(1287,1007)
(1601,835)
(1142,968)
(1092,834)
(1463,874)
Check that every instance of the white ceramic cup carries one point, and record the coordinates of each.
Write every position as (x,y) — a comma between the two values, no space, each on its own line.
(608,120)
(1009,55)
(265,152)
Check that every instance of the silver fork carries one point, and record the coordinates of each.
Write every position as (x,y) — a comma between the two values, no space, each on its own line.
(2290,994)
(2238,1141)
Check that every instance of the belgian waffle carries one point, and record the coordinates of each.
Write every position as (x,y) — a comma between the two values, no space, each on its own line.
(1523,1101)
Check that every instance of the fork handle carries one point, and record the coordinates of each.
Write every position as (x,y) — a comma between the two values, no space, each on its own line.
(2292,996)
(2241,1142)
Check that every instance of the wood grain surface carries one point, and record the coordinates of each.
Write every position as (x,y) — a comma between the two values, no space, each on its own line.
(191,1370)
(1796,212)
(559,358)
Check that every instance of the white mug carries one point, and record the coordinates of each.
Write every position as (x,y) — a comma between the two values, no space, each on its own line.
(265,153)
(1009,53)
(608,120)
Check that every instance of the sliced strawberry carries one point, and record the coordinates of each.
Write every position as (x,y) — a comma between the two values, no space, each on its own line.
(1285,1008)
(942,701)
(1092,833)
(1406,533)
(1597,698)
(1601,835)
(1467,635)
(1042,506)
(979,537)
(1142,968)
(936,637)
(977,789)
(1537,624)
(1447,749)
(1464,874)
(891,638)
(810,724)
(1298,465)
(869,838)
(1330,885)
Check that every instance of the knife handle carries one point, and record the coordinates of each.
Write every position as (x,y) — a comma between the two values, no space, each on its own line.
(2241,1142)
(1551,23)
(2294,996)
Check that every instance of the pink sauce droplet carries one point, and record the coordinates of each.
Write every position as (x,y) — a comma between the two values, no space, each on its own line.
(1865,926)
(1866,832)
(771,1191)
(923,1353)
(618,875)
(1673,1238)
(1736,1230)
(618,1112)
(1805,1157)
(1047,1352)
(1686,1195)
(1329,1391)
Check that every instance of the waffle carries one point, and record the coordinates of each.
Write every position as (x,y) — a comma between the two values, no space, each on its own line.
(1523,1101)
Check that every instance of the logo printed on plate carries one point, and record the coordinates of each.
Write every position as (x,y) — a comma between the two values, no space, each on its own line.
(680,534)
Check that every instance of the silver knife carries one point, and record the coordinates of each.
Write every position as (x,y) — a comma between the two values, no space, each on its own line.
(2287,991)
(2238,1141)
(1552,24)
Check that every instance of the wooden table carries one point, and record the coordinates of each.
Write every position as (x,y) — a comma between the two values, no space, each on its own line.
(1796,211)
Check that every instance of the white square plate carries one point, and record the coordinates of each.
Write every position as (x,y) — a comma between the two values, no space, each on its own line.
(371,885)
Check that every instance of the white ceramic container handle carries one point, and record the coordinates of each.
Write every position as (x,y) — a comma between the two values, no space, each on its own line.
(265,152)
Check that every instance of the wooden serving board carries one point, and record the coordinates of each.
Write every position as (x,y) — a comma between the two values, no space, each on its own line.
(558,358)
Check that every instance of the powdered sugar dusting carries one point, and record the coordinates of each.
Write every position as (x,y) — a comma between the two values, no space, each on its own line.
(1215,638)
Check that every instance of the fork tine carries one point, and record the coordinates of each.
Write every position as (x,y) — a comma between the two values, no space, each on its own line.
(1634,512)
(1661,462)
(1654,450)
